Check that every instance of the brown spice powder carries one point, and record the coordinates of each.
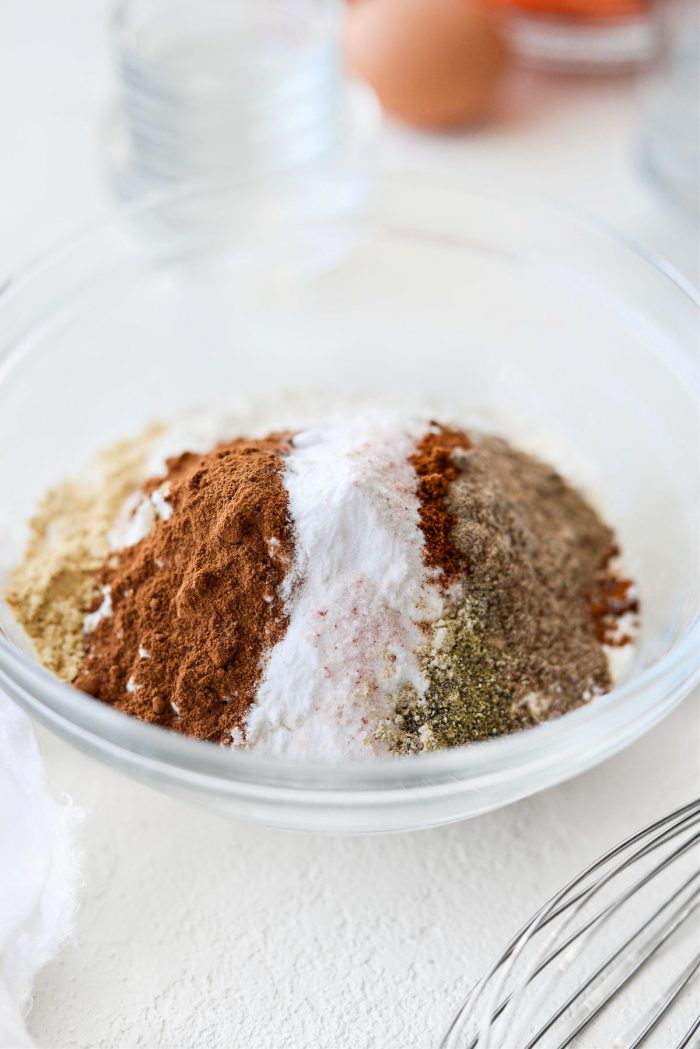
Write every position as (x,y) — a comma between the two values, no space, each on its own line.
(196,603)
(435,468)
(524,640)
(537,547)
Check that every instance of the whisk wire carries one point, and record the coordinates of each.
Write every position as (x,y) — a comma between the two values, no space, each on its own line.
(597,920)
(687,1037)
(649,951)
(599,917)
(676,989)
(525,958)
(583,987)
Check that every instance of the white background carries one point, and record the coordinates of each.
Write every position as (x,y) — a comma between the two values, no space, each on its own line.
(198,932)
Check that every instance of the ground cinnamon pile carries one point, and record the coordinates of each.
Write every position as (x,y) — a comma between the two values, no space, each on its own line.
(195,604)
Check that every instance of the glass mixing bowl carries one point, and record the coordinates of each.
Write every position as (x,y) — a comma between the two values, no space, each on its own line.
(541,327)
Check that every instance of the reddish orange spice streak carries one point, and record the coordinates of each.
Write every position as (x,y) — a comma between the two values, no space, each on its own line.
(610,599)
(436,468)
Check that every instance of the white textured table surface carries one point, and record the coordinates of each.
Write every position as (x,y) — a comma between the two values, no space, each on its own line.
(198,932)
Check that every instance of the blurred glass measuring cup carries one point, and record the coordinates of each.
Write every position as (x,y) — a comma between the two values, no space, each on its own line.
(212,88)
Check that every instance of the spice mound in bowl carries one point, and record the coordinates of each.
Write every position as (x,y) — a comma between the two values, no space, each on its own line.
(370,583)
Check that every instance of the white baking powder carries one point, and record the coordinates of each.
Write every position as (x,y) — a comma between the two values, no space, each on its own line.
(356,595)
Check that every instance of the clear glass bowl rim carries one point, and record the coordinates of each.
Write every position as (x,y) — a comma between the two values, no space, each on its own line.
(646,694)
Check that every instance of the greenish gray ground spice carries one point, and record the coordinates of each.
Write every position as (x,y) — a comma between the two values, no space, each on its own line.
(468,695)
(519,643)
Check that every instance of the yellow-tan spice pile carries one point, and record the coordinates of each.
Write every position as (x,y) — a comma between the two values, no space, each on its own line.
(54,586)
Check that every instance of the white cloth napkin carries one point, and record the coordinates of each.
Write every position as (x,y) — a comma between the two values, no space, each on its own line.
(39,870)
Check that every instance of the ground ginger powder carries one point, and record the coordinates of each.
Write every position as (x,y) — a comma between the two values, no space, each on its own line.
(53,587)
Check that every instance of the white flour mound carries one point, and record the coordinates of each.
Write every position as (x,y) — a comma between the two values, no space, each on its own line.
(357,593)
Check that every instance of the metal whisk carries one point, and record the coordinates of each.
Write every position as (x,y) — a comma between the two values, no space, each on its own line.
(611,961)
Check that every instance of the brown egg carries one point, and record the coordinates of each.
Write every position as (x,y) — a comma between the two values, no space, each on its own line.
(433,63)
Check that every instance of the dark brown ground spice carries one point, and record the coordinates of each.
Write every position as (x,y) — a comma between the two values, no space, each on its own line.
(524,639)
(435,467)
(196,603)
